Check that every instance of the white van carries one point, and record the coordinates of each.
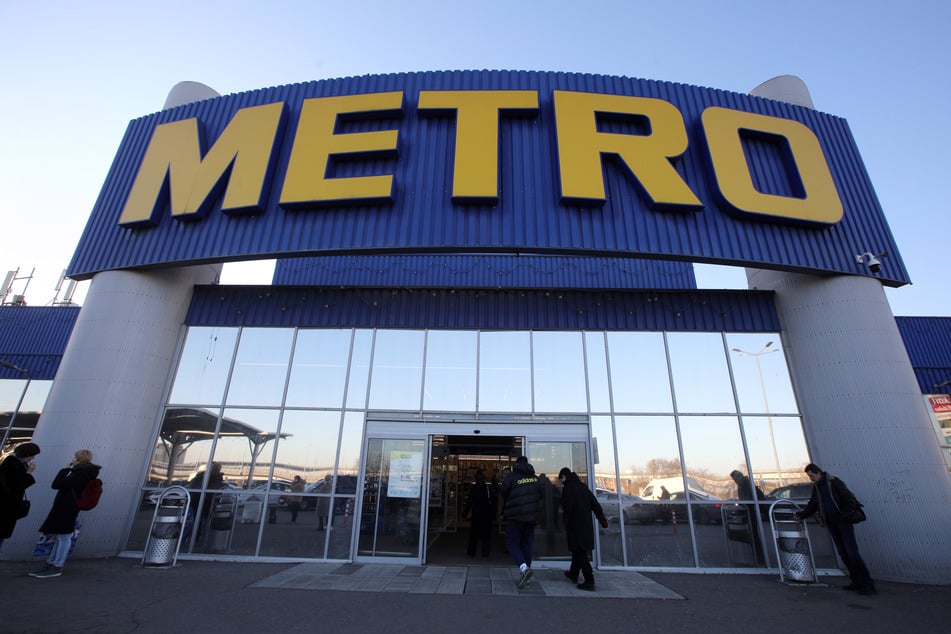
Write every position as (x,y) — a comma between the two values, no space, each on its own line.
(673,485)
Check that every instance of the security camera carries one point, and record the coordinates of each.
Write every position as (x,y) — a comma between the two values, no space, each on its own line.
(871,260)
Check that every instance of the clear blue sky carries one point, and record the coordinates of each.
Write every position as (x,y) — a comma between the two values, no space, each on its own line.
(74,74)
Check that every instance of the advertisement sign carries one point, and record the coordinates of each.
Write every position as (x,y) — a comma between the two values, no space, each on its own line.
(489,162)
(941,408)
(406,474)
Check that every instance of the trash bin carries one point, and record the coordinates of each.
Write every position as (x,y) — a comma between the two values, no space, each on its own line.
(739,534)
(222,521)
(163,541)
(168,522)
(793,548)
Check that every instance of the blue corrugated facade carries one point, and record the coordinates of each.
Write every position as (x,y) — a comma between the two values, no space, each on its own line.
(705,311)
(34,338)
(928,341)
(529,216)
(484,271)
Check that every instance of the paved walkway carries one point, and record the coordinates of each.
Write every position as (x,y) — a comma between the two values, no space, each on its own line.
(461,580)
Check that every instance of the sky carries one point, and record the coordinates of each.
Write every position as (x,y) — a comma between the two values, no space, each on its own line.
(74,75)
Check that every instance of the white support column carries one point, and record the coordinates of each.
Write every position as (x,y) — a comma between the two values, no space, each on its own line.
(108,393)
(107,397)
(863,414)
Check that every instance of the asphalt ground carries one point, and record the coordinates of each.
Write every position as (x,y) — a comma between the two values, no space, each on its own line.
(119,595)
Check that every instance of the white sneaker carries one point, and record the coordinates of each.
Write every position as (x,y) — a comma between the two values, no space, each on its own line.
(526,579)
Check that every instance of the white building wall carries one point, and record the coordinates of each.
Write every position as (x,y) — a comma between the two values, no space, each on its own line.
(110,389)
(863,414)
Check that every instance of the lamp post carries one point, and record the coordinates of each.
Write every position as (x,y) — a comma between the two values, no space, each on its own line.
(762,384)
(16,410)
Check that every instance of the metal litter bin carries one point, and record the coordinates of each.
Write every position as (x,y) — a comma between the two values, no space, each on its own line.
(222,524)
(739,533)
(793,548)
(168,522)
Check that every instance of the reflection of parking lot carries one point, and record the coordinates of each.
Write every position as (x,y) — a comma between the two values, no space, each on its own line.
(657,544)
(280,539)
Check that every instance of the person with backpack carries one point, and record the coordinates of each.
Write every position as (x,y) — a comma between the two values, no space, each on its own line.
(71,496)
(838,510)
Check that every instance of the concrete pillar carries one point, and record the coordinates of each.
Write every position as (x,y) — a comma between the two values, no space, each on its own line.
(863,414)
(109,392)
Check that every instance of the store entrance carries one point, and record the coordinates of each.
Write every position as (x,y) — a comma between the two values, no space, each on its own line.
(454,462)
(417,476)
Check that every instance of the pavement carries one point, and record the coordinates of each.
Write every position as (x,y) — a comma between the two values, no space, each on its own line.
(119,595)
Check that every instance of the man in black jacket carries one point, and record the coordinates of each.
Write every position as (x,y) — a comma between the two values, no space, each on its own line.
(522,494)
(578,503)
(835,503)
(16,476)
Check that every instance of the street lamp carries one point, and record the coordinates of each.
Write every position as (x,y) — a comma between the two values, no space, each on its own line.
(762,384)
(16,410)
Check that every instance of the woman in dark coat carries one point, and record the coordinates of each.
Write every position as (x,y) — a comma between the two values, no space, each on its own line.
(577,504)
(61,521)
(15,478)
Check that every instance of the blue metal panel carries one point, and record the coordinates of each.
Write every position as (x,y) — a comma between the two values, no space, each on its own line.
(484,271)
(701,311)
(529,217)
(34,338)
(928,341)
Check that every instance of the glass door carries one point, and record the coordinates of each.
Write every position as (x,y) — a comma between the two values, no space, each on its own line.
(391,504)
(548,457)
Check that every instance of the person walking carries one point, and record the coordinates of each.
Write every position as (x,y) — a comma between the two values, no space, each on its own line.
(835,503)
(481,503)
(293,500)
(61,520)
(744,491)
(16,476)
(522,496)
(577,504)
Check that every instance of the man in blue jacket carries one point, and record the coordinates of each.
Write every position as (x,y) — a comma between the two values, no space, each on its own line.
(522,494)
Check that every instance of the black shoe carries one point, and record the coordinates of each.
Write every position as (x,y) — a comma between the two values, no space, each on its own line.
(852,587)
(46,568)
(526,578)
(867,590)
(587,585)
(53,571)
(573,580)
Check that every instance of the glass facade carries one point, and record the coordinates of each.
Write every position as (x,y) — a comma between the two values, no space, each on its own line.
(670,416)
(21,403)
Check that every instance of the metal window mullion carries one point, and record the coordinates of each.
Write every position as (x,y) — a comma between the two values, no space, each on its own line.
(680,448)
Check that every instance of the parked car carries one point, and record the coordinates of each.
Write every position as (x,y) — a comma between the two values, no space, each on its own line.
(799,492)
(346,485)
(705,508)
(612,506)
(275,497)
(641,511)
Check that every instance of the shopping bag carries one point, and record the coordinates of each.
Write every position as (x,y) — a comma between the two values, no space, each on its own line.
(46,542)
(44,545)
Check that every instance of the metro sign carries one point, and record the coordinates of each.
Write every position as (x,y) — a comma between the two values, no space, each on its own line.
(242,159)
(498,162)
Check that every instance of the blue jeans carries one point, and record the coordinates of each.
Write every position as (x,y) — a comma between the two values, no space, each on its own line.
(519,539)
(60,550)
